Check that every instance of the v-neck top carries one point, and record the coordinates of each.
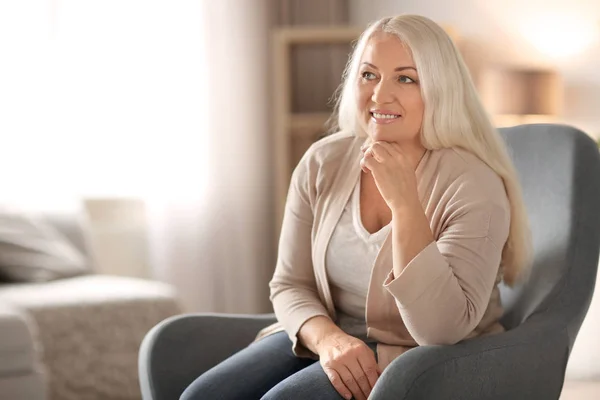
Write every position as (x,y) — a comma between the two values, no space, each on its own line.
(350,256)
(448,292)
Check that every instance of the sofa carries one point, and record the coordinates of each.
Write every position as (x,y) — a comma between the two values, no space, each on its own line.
(77,337)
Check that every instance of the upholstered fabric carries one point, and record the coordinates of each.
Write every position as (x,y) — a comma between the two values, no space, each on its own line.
(179,349)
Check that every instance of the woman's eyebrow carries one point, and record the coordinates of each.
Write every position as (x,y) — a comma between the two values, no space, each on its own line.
(395,69)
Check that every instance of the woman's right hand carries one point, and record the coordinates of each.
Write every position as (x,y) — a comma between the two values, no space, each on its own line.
(349,364)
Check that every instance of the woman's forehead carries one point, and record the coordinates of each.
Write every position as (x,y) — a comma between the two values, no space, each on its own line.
(386,48)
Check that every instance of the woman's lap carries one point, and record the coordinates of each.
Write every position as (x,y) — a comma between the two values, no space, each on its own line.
(268,365)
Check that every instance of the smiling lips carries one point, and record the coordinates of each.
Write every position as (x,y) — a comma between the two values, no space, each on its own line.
(383,116)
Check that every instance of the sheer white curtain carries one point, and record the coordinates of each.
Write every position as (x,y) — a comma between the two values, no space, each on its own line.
(217,248)
(160,100)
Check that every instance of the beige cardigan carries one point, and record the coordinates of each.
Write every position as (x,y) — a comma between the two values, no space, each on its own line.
(447,293)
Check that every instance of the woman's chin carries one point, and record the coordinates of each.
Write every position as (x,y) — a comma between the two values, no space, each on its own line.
(388,135)
(377,135)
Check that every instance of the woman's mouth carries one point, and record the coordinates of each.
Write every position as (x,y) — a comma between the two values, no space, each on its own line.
(380,117)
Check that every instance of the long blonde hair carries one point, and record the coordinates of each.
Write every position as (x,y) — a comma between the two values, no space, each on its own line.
(453,117)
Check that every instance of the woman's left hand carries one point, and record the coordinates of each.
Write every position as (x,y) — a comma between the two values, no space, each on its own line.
(393,173)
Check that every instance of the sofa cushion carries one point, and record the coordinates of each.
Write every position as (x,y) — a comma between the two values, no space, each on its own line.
(17,346)
(31,250)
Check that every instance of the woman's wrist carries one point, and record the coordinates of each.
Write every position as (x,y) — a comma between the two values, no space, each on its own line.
(330,336)
(316,331)
(406,208)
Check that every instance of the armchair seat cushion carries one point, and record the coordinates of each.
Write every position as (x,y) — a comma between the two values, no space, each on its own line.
(90,329)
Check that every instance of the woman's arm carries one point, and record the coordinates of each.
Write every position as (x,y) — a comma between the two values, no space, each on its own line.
(316,330)
(293,287)
(410,235)
(442,288)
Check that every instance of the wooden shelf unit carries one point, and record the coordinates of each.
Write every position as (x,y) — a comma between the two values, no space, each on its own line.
(300,122)
(295,131)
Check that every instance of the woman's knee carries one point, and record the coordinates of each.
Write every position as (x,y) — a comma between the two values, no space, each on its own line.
(309,383)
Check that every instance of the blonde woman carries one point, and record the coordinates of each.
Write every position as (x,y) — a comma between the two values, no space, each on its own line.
(397,230)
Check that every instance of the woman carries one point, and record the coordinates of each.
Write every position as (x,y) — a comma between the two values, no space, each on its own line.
(397,229)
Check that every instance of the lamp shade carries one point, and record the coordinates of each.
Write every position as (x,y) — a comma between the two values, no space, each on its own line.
(521,92)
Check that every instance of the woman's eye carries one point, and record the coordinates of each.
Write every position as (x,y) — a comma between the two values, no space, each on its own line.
(405,79)
(368,75)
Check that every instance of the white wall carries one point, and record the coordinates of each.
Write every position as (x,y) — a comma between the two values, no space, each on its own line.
(100,99)
(497,30)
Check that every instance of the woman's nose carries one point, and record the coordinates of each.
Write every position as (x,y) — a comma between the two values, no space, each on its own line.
(383,93)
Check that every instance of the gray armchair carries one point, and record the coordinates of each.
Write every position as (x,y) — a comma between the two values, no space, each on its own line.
(559,168)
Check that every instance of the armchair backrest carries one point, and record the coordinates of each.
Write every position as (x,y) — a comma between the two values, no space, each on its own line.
(559,169)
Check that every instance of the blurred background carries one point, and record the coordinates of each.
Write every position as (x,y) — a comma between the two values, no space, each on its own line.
(159,136)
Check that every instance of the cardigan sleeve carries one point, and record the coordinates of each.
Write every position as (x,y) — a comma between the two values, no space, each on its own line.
(443,292)
(293,287)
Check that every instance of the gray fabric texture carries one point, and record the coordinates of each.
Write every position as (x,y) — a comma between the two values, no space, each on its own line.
(559,168)
(527,362)
(181,348)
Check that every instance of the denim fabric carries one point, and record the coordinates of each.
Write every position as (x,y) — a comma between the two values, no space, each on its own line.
(265,370)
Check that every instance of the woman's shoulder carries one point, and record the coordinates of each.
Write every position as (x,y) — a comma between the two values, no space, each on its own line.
(331,146)
(457,162)
(460,167)
(321,161)
(328,152)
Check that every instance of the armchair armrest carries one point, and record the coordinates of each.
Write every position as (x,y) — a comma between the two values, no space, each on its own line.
(527,362)
(181,348)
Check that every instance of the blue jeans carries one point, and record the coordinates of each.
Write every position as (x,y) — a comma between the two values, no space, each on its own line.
(267,370)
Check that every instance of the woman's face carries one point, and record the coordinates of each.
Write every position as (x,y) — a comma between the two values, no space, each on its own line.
(389,99)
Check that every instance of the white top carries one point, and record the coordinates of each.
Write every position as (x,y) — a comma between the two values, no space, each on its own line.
(349,259)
